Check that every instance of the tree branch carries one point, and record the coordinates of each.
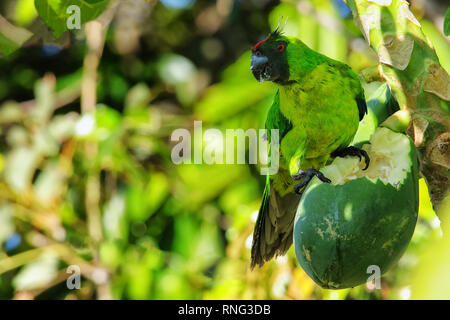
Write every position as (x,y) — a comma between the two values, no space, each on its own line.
(410,66)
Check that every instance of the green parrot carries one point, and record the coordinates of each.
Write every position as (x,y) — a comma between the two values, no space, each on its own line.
(317,109)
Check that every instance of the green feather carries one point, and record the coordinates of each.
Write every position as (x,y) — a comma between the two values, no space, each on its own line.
(276,120)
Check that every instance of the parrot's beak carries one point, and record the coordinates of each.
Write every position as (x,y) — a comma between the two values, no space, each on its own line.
(260,67)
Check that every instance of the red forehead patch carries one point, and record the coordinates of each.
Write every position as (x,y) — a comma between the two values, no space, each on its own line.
(256,46)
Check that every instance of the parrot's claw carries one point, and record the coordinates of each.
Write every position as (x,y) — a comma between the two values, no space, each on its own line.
(307,175)
(353,151)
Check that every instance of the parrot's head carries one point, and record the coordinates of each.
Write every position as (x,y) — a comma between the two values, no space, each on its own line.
(269,58)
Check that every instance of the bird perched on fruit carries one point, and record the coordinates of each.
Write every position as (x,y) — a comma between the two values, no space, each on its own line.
(317,109)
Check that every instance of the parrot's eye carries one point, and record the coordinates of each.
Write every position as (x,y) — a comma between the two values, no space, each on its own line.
(281,46)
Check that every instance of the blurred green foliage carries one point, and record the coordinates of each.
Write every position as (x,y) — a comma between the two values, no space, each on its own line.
(166,231)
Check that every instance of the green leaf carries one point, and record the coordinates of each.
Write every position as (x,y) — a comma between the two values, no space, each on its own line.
(54,12)
(11,37)
(114,220)
(137,98)
(21,163)
(38,273)
(142,203)
(42,113)
(447,22)
(25,12)
(49,184)
(380,104)
(235,93)
(10,111)
(6,223)
(171,284)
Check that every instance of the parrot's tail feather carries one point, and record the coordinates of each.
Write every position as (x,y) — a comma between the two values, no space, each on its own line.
(274,227)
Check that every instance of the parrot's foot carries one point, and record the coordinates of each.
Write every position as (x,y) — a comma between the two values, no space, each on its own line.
(353,151)
(307,175)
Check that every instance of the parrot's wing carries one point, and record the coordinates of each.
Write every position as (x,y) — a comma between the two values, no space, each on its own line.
(362,106)
(355,84)
(274,226)
(276,120)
